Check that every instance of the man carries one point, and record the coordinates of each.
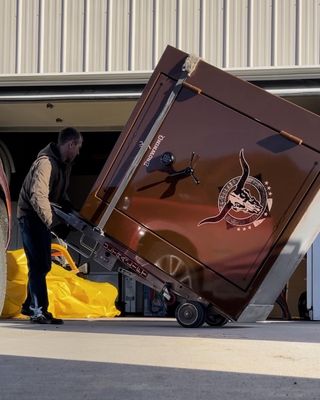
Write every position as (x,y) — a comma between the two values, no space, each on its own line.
(47,181)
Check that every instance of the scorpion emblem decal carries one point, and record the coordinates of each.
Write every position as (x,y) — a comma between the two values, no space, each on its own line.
(243,201)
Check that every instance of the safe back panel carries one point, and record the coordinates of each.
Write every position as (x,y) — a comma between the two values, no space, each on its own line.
(222,193)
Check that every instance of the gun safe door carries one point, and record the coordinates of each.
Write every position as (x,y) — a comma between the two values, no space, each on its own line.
(220,188)
(226,182)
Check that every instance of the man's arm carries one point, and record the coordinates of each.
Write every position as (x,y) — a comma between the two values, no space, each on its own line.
(40,189)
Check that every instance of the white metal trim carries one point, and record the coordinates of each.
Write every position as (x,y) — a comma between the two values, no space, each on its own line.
(313,280)
(142,77)
(70,96)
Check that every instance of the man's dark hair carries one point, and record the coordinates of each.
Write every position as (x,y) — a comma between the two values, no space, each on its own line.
(68,134)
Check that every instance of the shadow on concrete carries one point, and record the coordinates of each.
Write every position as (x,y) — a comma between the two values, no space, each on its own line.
(45,379)
(286,331)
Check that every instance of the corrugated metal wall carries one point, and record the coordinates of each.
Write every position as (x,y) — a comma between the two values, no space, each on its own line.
(50,36)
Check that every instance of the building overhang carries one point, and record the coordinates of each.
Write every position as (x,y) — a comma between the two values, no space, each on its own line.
(104,101)
(142,77)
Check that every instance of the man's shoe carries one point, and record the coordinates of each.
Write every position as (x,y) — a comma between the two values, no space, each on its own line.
(54,321)
(45,318)
(40,319)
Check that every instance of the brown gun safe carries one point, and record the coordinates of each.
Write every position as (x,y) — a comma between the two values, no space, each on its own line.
(211,191)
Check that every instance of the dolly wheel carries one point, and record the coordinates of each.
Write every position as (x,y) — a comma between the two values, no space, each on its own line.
(214,319)
(190,314)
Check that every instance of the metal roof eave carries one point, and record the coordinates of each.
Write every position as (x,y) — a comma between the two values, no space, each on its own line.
(71,79)
(291,81)
(142,77)
(7,97)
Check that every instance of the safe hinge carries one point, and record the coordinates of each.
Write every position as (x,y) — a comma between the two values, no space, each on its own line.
(292,138)
(192,87)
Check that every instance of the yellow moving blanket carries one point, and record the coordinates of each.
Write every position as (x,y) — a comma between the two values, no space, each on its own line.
(70,296)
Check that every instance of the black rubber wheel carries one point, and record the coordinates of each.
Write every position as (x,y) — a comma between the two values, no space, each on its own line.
(212,318)
(190,314)
(3,261)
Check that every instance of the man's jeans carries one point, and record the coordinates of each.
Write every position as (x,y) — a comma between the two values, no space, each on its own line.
(36,239)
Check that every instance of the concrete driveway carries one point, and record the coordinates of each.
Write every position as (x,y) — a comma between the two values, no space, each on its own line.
(156,358)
